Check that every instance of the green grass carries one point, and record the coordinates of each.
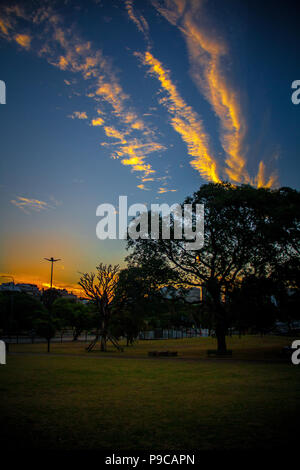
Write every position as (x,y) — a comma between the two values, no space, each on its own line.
(246,347)
(102,402)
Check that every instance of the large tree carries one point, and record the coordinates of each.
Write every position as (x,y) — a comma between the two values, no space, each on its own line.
(18,310)
(139,297)
(73,315)
(100,289)
(248,231)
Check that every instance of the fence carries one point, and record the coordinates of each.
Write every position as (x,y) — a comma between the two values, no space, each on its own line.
(67,335)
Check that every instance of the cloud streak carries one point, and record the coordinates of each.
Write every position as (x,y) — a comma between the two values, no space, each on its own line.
(184,120)
(138,19)
(63,48)
(207,54)
(28,205)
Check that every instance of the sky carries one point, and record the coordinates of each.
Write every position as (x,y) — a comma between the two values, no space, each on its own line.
(144,98)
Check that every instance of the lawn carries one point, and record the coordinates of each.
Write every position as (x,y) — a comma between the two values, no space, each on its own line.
(97,401)
(247,347)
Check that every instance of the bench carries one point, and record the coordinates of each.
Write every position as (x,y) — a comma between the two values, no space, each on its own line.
(215,352)
(162,353)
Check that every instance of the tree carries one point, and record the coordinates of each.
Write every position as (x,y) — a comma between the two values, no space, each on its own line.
(46,328)
(18,311)
(287,293)
(72,314)
(100,289)
(137,297)
(49,296)
(243,236)
(251,304)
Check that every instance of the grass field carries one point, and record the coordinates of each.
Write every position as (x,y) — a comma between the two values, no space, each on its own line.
(101,401)
(246,347)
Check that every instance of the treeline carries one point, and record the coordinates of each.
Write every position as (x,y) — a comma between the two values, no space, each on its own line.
(130,312)
(248,271)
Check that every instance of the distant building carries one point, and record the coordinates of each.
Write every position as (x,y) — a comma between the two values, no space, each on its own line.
(9,287)
(30,289)
(67,295)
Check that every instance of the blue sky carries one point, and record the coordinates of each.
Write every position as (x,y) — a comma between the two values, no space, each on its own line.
(148,99)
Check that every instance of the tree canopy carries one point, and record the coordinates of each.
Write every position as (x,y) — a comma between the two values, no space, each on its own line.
(248,232)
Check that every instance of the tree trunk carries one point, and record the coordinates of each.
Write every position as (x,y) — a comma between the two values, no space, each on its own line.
(48,341)
(221,339)
(219,315)
(76,334)
(103,342)
(103,337)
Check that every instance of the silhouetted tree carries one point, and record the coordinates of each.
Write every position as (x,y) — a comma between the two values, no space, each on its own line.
(100,289)
(18,310)
(49,296)
(46,327)
(73,315)
(251,305)
(248,231)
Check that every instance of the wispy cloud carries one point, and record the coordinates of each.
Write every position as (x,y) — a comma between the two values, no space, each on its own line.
(78,115)
(62,47)
(262,180)
(207,54)
(138,19)
(185,121)
(115,134)
(23,40)
(165,190)
(28,205)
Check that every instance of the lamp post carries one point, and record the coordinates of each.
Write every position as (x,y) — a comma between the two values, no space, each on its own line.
(52,260)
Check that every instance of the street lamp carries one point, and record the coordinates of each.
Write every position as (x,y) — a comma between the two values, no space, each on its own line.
(52,260)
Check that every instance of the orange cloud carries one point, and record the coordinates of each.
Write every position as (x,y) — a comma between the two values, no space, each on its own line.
(112,132)
(206,54)
(164,190)
(27,204)
(23,40)
(185,121)
(79,115)
(138,125)
(138,20)
(4,26)
(262,181)
(137,163)
(97,122)
(62,63)
(113,94)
